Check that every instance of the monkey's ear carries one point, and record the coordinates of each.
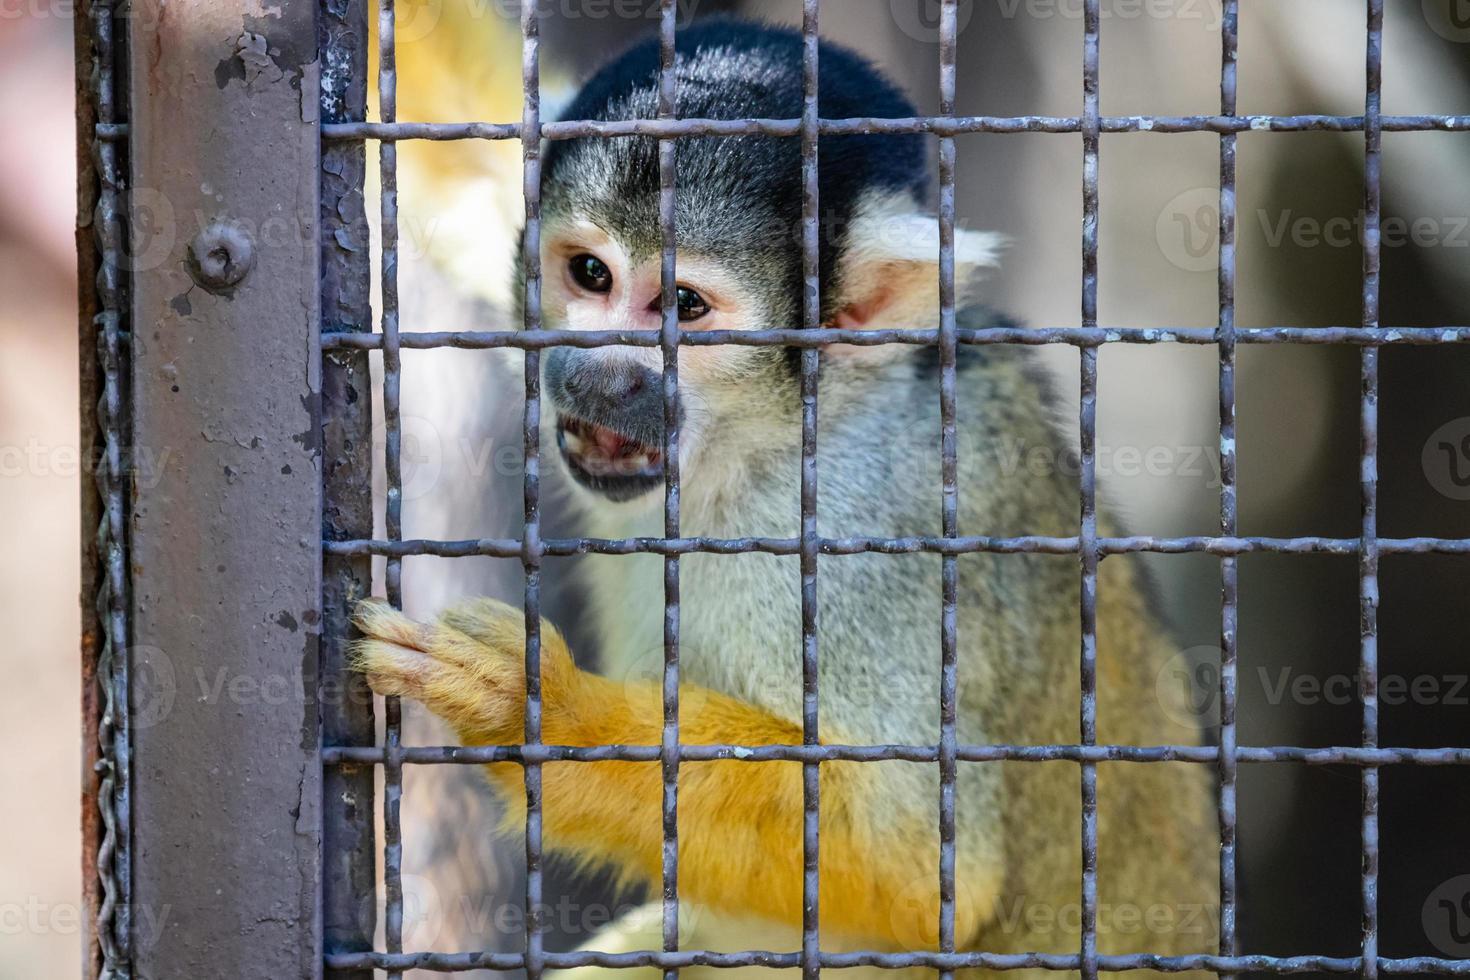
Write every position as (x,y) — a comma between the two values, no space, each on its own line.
(890,271)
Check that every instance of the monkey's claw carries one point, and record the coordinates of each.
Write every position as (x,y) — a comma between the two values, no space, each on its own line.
(468,668)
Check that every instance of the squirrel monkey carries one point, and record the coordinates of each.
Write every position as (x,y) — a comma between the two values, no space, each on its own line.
(739,267)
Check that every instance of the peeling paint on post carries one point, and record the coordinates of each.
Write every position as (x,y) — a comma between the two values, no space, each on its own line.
(226,513)
(349,845)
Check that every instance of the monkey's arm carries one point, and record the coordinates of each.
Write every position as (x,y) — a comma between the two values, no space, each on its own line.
(740,823)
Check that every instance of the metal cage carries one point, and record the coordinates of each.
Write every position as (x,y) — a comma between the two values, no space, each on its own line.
(294,521)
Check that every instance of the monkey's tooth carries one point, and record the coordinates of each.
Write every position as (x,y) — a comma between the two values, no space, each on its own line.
(575,444)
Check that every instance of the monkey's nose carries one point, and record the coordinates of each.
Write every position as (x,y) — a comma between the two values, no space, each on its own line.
(613,391)
(614,388)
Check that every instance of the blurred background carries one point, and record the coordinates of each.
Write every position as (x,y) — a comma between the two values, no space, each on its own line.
(40,849)
(1299,265)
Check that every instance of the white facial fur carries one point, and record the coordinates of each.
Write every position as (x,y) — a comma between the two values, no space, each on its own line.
(890,278)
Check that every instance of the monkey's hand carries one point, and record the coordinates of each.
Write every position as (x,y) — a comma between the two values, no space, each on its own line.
(468,668)
(740,822)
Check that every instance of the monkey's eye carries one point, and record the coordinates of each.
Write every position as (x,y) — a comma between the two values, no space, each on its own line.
(691,305)
(591,273)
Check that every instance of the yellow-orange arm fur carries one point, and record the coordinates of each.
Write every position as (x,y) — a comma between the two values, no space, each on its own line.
(740,823)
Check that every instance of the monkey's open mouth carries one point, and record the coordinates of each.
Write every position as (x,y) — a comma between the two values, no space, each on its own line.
(602,459)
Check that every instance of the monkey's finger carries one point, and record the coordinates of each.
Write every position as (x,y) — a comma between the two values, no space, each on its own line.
(391,687)
(392,669)
(501,627)
(380,621)
(464,697)
(489,621)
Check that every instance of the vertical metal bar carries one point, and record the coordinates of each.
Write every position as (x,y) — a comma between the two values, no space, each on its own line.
(669,347)
(531,547)
(104,295)
(1368,473)
(1229,523)
(349,837)
(393,471)
(949,450)
(811,319)
(232,433)
(1087,412)
(91,505)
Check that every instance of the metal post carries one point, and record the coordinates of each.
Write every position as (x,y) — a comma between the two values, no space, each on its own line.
(349,842)
(226,510)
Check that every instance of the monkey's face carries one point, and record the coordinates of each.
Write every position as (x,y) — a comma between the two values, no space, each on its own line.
(738,213)
(607,403)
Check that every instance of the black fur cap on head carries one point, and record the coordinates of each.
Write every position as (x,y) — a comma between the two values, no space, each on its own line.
(738,197)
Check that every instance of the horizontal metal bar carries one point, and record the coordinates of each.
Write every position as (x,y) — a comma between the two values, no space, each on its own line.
(1029,336)
(535,754)
(1023,544)
(463,962)
(933,125)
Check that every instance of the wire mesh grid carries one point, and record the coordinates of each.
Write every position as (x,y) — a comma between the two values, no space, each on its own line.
(1087,544)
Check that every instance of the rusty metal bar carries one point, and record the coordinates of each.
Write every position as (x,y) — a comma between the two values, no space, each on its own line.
(811,366)
(225,538)
(106,437)
(462,962)
(1229,517)
(1368,552)
(669,343)
(349,840)
(393,472)
(1028,336)
(949,488)
(1323,756)
(533,962)
(1087,479)
(960,545)
(933,125)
